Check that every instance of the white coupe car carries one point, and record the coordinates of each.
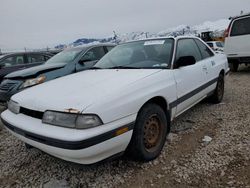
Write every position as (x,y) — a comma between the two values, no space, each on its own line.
(125,103)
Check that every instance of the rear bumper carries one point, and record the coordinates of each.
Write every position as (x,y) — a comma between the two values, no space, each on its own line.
(92,149)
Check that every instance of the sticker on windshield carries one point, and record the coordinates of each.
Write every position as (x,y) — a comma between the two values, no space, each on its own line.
(154,42)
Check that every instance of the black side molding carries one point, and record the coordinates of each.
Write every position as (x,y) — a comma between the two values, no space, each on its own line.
(192,93)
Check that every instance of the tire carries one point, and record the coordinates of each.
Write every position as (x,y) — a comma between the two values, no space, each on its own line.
(149,133)
(219,91)
(234,66)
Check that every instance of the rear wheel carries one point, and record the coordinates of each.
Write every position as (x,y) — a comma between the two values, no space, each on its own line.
(219,91)
(234,65)
(149,134)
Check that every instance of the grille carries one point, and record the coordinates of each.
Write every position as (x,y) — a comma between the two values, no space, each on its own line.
(7,86)
(31,113)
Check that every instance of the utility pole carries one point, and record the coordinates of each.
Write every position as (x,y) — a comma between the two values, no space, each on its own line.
(115,36)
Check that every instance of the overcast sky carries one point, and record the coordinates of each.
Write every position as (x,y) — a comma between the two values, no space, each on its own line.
(41,23)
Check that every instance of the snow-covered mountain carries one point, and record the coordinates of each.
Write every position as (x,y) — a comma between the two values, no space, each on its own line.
(218,27)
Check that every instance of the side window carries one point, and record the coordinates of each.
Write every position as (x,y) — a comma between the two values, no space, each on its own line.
(12,61)
(187,47)
(241,27)
(34,58)
(94,54)
(205,51)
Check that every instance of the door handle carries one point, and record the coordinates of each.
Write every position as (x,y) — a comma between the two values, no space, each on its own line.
(204,68)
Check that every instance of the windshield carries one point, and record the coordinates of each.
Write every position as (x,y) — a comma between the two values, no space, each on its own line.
(139,54)
(65,56)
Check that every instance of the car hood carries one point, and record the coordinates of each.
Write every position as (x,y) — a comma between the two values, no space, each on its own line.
(79,90)
(34,71)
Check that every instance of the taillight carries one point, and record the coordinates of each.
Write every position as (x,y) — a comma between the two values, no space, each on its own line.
(226,33)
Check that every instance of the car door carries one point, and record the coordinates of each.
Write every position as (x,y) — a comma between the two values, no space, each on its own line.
(34,59)
(188,78)
(209,66)
(11,63)
(90,58)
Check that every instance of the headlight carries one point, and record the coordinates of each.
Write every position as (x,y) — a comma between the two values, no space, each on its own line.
(14,107)
(71,120)
(35,81)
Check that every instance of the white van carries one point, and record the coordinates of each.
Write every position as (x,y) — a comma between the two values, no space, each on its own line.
(237,42)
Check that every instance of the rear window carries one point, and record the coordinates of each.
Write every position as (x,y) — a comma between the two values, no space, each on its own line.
(220,44)
(210,44)
(241,27)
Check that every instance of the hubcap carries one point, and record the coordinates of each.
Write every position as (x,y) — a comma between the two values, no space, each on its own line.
(152,133)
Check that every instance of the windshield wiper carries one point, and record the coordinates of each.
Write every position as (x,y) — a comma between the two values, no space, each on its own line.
(124,67)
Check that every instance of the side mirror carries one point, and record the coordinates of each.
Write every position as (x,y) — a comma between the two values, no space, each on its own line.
(185,61)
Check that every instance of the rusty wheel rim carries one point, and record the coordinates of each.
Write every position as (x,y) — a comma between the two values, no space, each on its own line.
(152,133)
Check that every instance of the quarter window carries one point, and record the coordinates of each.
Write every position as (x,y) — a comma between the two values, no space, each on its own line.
(187,47)
(205,51)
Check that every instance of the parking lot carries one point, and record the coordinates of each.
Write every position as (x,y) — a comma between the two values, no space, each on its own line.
(186,160)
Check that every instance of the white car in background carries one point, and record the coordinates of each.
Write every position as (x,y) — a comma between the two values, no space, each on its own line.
(237,42)
(125,103)
(216,45)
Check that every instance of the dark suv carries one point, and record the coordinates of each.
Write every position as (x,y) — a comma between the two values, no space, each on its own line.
(16,61)
(64,63)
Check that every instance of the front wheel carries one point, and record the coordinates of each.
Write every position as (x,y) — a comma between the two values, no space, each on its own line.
(149,134)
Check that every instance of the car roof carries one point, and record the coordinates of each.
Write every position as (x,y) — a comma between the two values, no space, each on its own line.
(241,16)
(161,38)
(18,53)
(87,46)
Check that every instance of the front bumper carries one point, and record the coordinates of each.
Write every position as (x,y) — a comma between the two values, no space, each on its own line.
(79,146)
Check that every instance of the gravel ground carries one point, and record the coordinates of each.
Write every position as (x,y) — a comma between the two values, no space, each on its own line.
(209,146)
